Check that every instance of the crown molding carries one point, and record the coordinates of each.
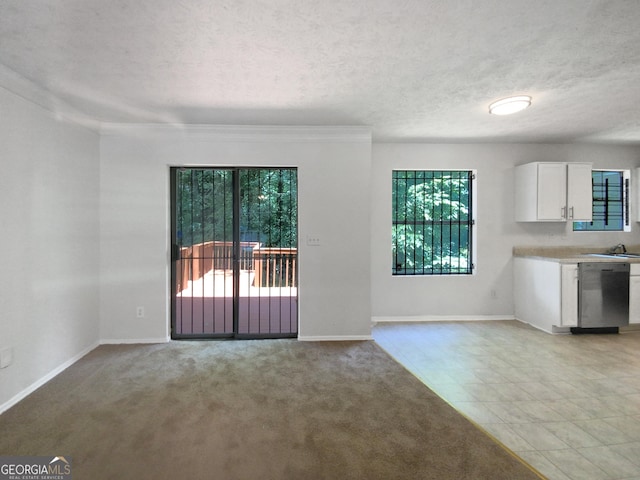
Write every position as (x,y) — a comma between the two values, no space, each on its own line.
(243,133)
(24,88)
(58,109)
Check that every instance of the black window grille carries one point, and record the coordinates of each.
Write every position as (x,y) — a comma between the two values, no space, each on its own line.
(610,202)
(432,225)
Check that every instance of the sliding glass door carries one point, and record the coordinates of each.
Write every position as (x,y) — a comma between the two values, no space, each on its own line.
(234,252)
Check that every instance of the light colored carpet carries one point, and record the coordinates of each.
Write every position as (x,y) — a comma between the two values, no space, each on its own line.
(267,409)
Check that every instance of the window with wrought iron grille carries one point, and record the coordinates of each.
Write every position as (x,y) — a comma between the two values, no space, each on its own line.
(433,222)
(610,202)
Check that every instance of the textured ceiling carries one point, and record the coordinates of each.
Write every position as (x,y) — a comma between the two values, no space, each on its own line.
(412,70)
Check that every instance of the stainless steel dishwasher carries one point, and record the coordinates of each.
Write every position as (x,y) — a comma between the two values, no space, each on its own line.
(603,296)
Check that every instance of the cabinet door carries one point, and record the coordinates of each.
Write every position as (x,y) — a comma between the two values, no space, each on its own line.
(569,295)
(552,191)
(579,192)
(634,299)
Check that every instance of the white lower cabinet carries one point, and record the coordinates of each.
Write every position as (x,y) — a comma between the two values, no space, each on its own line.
(546,293)
(569,295)
(634,294)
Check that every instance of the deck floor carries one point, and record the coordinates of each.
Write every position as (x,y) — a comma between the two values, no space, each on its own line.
(205,307)
(219,283)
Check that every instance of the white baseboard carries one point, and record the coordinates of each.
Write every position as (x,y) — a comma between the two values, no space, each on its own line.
(38,383)
(333,338)
(118,341)
(440,318)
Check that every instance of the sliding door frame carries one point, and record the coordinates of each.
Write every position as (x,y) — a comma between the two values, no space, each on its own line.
(236,260)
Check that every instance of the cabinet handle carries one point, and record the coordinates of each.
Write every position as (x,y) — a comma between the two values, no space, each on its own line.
(563,213)
(571,212)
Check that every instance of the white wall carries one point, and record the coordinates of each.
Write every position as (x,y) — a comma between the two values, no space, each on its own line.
(334,166)
(85,221)
(488,293)
(49,243)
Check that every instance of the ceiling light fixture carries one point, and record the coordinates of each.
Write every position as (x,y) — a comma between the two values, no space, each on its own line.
(510,105)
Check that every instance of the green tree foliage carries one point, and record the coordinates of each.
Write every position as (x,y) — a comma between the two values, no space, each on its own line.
(204,206)
(431,228)
(268,206)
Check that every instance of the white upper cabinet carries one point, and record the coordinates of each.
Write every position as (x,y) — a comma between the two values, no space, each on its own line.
(637,190)
(553,192)
(579,192)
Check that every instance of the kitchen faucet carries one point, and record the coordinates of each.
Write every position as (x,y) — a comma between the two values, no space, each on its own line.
(620,247)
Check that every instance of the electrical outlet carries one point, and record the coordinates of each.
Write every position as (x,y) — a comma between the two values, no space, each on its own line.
(6,357)
(140,312)
(313,240)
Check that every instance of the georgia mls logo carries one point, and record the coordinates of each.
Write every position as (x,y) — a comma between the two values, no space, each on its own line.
(35,468)
(60,466)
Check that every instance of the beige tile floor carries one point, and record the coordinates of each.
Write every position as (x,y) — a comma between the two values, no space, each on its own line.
(569,405)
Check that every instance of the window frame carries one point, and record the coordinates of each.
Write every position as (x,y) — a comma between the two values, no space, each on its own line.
(472,227)
(626,207)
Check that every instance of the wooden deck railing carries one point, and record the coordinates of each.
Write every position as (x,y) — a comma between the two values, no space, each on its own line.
(273,267)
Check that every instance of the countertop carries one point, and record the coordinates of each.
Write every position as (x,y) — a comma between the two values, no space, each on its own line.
(574,254)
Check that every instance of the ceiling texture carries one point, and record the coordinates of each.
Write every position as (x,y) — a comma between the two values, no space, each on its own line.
(411,70)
